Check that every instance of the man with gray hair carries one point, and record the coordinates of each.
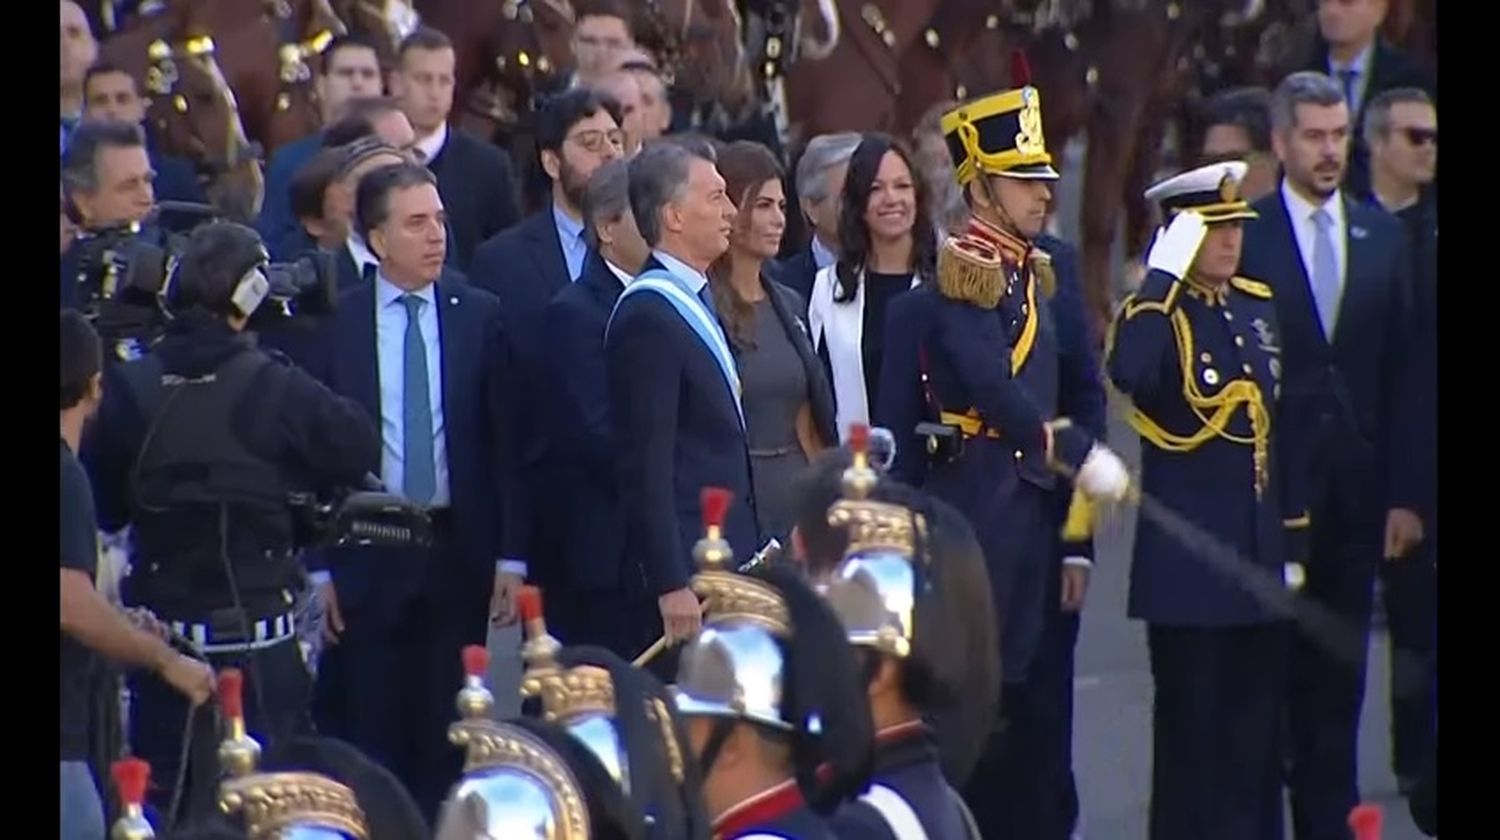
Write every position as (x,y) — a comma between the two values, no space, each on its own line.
(1401,130)
(820,178)
(674,390)
(1340,275)
(593,569)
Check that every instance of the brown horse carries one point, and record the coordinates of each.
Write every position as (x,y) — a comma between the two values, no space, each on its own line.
(192,109)
(386,22)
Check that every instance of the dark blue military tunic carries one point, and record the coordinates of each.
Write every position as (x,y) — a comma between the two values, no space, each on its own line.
(1202,368)
(780,813)
(906,761)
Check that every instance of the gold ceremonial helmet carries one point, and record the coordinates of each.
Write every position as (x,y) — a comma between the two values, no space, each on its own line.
(513,785)
(279,806)
(735,666)
(873,590)
(581,699)
(1000,134)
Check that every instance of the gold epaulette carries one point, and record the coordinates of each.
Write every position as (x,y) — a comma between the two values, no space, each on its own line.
(1253,288)
(971,270)
(1041,269)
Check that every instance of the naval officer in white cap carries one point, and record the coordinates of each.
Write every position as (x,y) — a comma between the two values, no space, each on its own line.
(1197,351)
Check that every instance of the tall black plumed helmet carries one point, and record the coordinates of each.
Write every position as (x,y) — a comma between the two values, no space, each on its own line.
(825,701)
(390,811)
(665,783)
(216,259)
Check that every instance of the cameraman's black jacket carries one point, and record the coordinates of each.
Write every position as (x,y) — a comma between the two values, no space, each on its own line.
(268,427)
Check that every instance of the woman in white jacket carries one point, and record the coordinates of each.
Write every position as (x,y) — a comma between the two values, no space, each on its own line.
(888,246)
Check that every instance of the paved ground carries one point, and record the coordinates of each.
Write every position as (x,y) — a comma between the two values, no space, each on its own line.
(1112,726)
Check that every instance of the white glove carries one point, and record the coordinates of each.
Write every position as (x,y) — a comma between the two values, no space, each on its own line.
(1175,248)
(1103,475)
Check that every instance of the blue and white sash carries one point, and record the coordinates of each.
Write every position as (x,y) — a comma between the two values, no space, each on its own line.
(696,316)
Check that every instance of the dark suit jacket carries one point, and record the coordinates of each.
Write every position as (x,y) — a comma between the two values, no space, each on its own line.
(592,519)
(277,224)
(677,430)
(176,180)
(478,190)
(791,310)
(797,272)
(1389,69)
(485,498)
(524,267)
(1349,402)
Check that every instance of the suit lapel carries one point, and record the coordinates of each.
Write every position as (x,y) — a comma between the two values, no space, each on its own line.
(363,352)
(546,249)
(1358,268)
(1298,285)
(453,334)
(600,281)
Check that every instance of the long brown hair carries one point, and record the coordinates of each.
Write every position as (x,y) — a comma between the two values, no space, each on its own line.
(746,166)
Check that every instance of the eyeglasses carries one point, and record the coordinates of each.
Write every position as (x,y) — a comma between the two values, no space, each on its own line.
(593,140)
(1420,136)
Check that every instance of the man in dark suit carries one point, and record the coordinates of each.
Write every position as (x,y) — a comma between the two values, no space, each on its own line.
(674,392)
(1340,274)
(474,177)
(350,70)
(110,93)
(820,180)
(591,566)
(525,266)
(425,356)
(1350,50)
(1401,130)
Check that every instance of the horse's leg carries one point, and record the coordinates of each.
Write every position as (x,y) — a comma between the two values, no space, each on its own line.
(1112,127)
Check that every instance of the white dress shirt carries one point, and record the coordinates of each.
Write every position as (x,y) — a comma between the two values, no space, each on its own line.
(822,256)
(362,254)
(1301,212)
(692,276)
(432,144)
(390,340)
(620,274)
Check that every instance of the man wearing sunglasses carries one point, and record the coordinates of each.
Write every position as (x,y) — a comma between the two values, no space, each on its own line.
(1400,128)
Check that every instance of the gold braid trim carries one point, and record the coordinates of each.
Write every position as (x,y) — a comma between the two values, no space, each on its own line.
(970,271)
(1222,405)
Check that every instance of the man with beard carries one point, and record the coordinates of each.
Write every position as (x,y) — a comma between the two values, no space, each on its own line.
(576,132)
(1340,272)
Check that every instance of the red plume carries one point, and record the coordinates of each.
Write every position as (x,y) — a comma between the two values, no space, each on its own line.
(859,437)
(231,698)
(476,660)
(530,602)
(715,501)
(1366,821)
(1020,69)
(131,775)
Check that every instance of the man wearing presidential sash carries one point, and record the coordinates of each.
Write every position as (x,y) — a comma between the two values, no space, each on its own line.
(673,389)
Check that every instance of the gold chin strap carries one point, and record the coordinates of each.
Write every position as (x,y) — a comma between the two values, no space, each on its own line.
(1214,412)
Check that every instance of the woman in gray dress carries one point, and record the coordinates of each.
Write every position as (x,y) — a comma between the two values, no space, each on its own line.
(788,403)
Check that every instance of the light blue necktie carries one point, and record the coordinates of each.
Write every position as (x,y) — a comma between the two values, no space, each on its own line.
(1325,279)
(420,470)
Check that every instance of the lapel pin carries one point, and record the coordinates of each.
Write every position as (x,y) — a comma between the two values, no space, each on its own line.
(1358,232)
(453,300)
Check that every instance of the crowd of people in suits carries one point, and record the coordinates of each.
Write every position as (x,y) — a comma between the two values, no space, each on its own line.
(557,389)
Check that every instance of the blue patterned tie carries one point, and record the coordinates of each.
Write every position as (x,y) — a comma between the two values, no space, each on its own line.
(1325,279)
(420,470)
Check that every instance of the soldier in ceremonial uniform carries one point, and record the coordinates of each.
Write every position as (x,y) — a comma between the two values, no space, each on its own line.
(1197,352)
(908,607)
(614,727)
(771,697)
(969,384)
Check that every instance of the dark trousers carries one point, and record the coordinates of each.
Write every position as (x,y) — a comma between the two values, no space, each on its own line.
(607,618)
(1023,786)
(1328,688)
(1216,762)
(1410,594)
(159,716)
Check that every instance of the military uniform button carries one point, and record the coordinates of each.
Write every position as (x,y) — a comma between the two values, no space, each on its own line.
(1239,341)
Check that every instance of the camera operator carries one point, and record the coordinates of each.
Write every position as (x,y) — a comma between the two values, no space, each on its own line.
(200,447)
(91,626)
(107,181)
